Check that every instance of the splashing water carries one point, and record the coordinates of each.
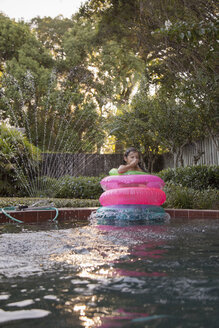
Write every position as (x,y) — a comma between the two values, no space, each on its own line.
(119,213)
(57,124)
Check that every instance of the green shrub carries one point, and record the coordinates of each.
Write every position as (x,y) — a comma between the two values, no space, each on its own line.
(71,191)
(17,154)
(177,197)
(206,199)
(184,197)
(71,187)
(56,202)
(199,177)
(45,186)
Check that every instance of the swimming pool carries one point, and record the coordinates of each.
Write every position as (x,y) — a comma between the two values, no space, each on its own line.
(92,274)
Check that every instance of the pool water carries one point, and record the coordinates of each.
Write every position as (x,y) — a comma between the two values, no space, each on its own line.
(102,274)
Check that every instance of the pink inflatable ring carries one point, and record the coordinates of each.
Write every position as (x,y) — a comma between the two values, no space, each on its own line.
(123,181)
(134,195)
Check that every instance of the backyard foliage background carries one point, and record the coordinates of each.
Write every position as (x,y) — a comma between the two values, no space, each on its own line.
(118,73)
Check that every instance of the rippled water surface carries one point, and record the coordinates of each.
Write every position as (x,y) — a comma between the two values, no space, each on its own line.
(94,274)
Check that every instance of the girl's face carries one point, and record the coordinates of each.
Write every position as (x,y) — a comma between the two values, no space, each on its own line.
(132,156)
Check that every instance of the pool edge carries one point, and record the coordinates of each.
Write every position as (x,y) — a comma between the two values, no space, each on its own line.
(79,213)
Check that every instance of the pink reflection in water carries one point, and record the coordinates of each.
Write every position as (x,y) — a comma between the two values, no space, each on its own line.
(115,321)
(133,228)
(129,273)
(157,253)
(143,250)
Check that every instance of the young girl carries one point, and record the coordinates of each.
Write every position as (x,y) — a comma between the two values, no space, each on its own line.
(132,161)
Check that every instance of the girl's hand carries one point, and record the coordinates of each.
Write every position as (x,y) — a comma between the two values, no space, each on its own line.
(134,163)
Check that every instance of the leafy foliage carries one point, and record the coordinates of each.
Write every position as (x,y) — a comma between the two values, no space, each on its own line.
(100,58)
(55,202)
(46,93)
(73,187)
(189,198)
(177,42)
(18,160)
(200,177)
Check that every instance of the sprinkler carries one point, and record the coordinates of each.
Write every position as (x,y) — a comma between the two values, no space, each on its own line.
(28,208)
(22,207)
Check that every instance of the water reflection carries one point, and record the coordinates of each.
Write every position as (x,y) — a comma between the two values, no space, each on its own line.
(129,319)
(116,260)
(109,275)
(113,244)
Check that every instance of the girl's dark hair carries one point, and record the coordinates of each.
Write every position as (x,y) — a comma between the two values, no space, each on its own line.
(129,150)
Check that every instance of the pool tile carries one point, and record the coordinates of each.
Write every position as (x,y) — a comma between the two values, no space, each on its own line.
(195,214)
(181,213)
(84,213)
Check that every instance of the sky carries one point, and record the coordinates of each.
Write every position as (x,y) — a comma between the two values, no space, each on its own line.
(27,9)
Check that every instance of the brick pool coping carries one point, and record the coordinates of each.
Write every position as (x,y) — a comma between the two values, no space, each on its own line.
(74,214)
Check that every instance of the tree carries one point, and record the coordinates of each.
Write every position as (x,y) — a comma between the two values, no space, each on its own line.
(107,70)
(17,42)
(160,31)
(177,40)
(175,125)
(48,98)
(50,32)
(131,127)
(12,37)
(55,120)
(156,124)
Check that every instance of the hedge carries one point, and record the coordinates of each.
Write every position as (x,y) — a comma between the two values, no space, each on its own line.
(177,197)
(71,187)
(190,187)
(184,197)
(200,177)
(56,202)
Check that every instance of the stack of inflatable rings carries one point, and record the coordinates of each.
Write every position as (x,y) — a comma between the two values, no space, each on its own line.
(132,188)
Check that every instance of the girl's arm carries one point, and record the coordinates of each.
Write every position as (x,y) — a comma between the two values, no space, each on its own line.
(123,169)
(128,167)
